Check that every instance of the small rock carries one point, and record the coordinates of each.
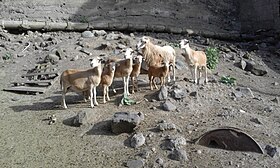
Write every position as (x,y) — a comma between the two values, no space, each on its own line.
(52,58)
(168,106)
(272,151)
(199,151)
(121,46)
(173,143)
(243,92)
(255,69)
(179,155)
(75,58)
(137,140)
(19,55)
(275,100)
(194,94)
(159,161)
(125,122)
(145,154)
(268,109)
(87,34)
(243,64)
(84,117)
(179,93)
(135,164)
(255,120)
(15,99)
(166,126)
(86,52)
(98,33)
(112,36)
(163,93)
(275,83)
(60,53)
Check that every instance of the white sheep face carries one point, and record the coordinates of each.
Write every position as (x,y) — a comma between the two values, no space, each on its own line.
(94,62)
(128,53)
(142,43)
(138,59)
(184,43)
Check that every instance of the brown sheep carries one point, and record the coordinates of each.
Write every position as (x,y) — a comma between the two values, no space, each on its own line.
(160,72)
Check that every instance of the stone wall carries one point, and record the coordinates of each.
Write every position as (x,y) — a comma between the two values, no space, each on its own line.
(220,16)
(200,15)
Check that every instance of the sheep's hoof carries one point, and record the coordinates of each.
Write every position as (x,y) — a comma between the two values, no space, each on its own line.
(96,103)
(114,90)
(64,107)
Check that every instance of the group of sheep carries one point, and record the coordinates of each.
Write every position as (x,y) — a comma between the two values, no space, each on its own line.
(159,60)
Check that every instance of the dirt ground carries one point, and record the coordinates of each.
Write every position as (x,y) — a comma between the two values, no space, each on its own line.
(27,140)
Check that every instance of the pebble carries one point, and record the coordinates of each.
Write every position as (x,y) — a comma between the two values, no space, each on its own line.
(137,140)
(268,109)
(160,161)
(179,155)
(135,164)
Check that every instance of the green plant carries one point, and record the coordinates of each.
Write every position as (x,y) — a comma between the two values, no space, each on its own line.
(7,56)
(127,101)
(228,80)
(212,54)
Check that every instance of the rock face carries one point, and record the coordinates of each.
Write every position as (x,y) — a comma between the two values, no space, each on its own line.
(125,122)
(84,117)
(179,155)
(137,140)
(168,106)
(254,68)
(163,93)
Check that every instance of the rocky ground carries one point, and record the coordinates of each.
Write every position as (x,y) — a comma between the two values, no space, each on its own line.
(252,105)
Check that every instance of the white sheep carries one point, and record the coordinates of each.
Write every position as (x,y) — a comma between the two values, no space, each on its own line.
(82,81)
(196,60)
(107,78)
(136,68)
(123,69)
(154,55)
(160,72)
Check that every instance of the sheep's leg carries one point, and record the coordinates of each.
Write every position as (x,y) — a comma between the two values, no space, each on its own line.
(206,79)
(63,103)
(90,97)
(168,78)
(113,87)
(124,86)
(154,83)
(107,92)
(94,92)
(151,79)
(174,76)
(136,83)
(127,85)
(104,94)
(195,74)
(133,84)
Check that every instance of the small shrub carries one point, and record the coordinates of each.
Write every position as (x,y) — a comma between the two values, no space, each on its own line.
(228,80)
(7,56)
(212,55)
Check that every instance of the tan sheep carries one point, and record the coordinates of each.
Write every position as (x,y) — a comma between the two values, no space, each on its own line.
(154,55)
(160,72)
(123,69)
(196,60)
(107,79)
(82,81)
(136,68)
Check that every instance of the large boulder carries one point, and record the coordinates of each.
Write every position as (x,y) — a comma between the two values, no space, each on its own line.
(125,122)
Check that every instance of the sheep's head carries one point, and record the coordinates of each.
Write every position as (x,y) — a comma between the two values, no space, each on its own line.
(184,43)
(138,59)
(165,63)
(142,43)
(112,66)
(128,53)
(96,61)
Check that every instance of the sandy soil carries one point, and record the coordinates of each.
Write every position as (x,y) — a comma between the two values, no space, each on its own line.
(27,140)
